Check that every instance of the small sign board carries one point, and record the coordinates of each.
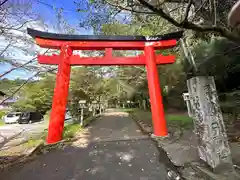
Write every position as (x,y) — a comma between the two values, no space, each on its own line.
(186,96)
(82,102)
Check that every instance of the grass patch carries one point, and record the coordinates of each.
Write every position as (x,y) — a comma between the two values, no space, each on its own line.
(2,114)
(144,116)
(33,143)
(70,130)
(180,119)
(2,123)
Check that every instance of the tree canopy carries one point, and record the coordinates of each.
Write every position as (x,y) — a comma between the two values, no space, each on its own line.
(197,15)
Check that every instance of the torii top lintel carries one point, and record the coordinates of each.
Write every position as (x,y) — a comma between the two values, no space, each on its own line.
(101,42)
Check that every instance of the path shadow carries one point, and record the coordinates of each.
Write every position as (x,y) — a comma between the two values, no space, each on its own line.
(110,148)
(136,159)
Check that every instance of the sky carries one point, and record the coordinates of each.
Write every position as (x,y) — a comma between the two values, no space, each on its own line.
(49,18)
(70,14)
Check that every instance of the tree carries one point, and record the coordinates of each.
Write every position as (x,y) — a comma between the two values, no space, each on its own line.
(15,17)
(205,16)
(8,86)
(86,84)
(172,77)
(37,96)
(219,58)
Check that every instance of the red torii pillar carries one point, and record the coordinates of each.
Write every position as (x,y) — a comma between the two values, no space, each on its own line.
(68,43)
(158,117)
(60,97)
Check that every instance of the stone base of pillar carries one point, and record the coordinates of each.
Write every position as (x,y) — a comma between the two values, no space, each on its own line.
(160,137)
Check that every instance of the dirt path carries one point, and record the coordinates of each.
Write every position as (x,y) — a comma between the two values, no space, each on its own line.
(113,149)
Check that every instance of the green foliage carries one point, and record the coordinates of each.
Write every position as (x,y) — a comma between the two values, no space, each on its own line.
(218,57)
(134,86)
(70,130)
(181,120)
(118,29)
(83,86)
(33,143)
(37,96)
(173,120)
(2,113)
(8,86)
(2,122)
(92,84)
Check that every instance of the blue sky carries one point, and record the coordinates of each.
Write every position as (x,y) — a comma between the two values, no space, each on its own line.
(47,11)
(48,15)
(70,14)
(20,73)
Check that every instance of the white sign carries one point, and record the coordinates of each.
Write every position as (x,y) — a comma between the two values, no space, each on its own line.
(82,101)
(186,96)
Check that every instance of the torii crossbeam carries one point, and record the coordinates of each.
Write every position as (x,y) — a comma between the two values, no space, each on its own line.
(68,43)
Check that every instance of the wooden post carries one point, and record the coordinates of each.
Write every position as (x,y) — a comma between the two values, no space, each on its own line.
(81,120)
(186,98)
(210,130)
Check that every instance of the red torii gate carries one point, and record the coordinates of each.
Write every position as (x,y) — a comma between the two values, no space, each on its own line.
(68,43)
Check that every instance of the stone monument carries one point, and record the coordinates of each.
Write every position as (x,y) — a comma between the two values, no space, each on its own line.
(209,127)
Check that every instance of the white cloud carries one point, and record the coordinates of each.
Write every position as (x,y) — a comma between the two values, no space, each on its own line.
(23,47)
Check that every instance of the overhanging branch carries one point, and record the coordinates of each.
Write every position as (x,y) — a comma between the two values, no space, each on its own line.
(2,3)
(187,10)
(128,9)
(20,66)
(160,12)
(188,25)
